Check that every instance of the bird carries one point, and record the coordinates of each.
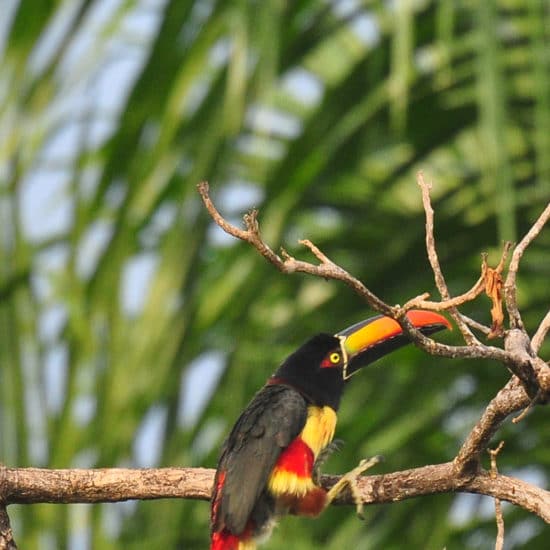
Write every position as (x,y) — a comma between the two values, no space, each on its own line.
(268,465)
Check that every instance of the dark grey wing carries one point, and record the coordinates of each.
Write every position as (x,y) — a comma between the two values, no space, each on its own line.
(275,416)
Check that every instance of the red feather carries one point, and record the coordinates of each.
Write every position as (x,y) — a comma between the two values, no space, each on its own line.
(220,479)
(297,458)
(224,540)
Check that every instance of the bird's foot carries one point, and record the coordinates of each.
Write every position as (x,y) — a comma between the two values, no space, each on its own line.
(325,453)
(350,480)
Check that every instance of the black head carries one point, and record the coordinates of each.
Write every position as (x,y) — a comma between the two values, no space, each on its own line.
(315,370)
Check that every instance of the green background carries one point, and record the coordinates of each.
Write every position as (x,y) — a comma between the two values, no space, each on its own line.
(132,332)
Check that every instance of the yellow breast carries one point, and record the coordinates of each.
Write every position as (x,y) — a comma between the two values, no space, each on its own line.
(292,473)
(319,429)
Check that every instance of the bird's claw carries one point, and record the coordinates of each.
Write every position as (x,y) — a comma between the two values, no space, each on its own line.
(350,479)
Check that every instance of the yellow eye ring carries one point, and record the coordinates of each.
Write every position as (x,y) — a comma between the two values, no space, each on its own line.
(334,358)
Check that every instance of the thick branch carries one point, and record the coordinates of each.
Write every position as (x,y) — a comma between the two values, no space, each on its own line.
(442,478)
(510,399)
(34,485)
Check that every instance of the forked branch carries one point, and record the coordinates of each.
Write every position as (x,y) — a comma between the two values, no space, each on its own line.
(517,355)
(531,383)
(326,269)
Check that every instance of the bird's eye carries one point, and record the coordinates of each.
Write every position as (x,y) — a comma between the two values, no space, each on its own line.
(334,358)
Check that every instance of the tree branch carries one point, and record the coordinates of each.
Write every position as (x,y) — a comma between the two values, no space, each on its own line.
(516,355)
(36,485)
(541,332)
(6,535)
(440,282)
(510,288)
(287,264)
(499,543)
(68,486)
(441,478)
(510,399)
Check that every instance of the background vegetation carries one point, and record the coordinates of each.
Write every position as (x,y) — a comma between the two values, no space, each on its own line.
(132,332)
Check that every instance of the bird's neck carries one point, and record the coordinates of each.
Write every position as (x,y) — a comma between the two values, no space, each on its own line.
(325,391)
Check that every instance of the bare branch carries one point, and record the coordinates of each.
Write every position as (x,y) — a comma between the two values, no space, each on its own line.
(450,303)
(326,269)
(511,398)
(430,240)
(250,235)
(499,543)
(540,335)
(474,324)
(329,270)
(510,288)
(36,485)
(441,478)
(6,534)
(467,334)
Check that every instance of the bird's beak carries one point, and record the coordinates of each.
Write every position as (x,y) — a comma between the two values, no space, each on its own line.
(368,340)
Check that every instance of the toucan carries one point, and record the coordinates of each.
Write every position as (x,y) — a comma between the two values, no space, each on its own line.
(267,466)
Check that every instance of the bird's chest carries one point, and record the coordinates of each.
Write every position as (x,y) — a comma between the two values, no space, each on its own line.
(319,429)
(292,472)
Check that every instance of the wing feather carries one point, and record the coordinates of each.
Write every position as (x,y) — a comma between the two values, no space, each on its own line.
(274,417)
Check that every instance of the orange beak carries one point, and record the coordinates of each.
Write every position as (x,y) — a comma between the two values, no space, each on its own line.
(368,340)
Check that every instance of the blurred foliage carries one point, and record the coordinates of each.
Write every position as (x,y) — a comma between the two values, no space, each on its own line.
(132,332)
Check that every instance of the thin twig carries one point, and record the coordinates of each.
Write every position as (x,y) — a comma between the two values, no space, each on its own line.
(532,402)
(448,304)
(499,543)
(540,335)
(510,288)
(326,269)
(475,324)
(250,235)
(440,283)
